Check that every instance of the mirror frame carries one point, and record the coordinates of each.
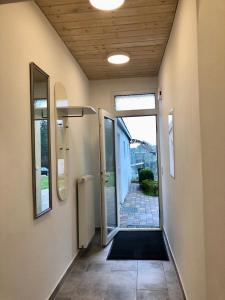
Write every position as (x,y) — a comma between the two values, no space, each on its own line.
(34,67)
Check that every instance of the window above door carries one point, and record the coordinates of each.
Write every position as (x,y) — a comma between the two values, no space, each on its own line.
(134,102)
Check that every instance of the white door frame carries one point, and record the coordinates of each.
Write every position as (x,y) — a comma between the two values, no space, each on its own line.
(141,113)
(105,237)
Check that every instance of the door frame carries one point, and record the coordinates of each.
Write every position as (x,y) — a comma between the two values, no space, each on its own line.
(142,113)
(118,142)
(106,238)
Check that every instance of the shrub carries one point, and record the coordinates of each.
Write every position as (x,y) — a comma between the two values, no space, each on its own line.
(149,187)
(145,174)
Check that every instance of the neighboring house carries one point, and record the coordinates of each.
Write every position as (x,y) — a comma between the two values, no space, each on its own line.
(143,155)
(124,159)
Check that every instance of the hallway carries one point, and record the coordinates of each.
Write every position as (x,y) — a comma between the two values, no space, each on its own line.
(92,277)
(139,210)
(97,95)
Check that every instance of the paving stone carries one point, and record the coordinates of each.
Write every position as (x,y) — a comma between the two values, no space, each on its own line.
(139,210)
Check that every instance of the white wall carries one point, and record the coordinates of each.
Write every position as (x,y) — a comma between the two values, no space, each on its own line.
(211,25)
(103,91)
(35,253)
(183,197)
(102,96)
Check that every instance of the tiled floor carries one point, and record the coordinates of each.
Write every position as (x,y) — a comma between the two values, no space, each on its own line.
(139,210)
(94,278)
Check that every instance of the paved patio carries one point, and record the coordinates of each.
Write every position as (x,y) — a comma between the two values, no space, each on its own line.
(139,210)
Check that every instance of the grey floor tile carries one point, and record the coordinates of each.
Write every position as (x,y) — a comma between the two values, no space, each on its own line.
(89,294)
(168,266)
(152,295)
(151,280)
(173,284)
(80,266)
(121,279)
(99,267)
(171,277)
(175,295)
(144,265)
(95,255)
(91,280)
(175,292)
(124,265)
(68,287)
(92,277)
(120,294)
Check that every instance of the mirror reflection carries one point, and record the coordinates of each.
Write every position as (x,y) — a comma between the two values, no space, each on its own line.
(40,141)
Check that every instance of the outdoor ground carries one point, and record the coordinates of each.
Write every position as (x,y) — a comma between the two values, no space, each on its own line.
(139,210)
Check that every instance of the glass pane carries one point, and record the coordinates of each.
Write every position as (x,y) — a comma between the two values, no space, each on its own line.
(110,176)
(135,102)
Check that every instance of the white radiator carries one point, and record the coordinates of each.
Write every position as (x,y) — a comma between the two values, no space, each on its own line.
(86,210)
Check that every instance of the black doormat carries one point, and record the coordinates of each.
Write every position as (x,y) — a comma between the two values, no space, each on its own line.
(138,245)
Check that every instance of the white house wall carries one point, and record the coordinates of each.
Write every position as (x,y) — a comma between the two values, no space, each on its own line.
(124,161)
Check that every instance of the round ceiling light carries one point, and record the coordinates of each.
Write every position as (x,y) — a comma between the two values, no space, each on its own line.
(106,4)
(118,59)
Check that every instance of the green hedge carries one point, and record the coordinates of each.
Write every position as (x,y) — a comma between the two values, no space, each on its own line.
(145,174)
(150,187)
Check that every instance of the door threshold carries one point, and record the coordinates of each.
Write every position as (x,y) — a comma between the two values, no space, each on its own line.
(140,229)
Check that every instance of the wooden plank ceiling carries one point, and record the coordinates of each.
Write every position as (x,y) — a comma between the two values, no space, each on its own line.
(140,28)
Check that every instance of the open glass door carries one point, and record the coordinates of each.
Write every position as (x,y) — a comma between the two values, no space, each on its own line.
(109,205)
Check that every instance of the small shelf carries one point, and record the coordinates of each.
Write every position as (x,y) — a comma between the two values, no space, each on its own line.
(75,111)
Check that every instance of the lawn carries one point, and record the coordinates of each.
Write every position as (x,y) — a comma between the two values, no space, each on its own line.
(44,182)
(111,179)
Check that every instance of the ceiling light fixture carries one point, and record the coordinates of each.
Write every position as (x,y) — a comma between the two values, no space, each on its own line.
(106,4)
(118,58)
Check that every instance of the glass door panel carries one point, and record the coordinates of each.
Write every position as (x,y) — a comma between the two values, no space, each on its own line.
(109,205)
(110,182)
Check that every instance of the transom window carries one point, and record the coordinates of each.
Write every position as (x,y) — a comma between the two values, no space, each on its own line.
(134,102)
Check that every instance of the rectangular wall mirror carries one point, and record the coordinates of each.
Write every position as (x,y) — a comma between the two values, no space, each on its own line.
(40,134)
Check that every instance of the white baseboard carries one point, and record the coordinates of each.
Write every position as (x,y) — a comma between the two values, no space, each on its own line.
(174,261)
(61,280)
